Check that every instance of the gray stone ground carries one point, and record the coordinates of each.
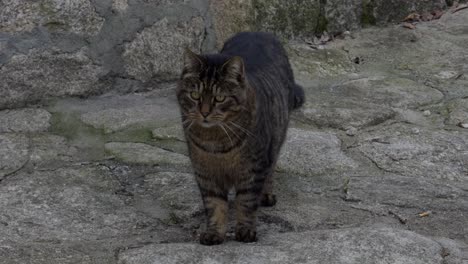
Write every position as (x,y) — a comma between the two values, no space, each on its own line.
(107,179)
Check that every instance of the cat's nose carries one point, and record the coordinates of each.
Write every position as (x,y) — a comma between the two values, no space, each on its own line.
(205,114)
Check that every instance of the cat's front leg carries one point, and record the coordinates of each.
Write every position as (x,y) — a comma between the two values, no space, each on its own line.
(247,198)
(216,209)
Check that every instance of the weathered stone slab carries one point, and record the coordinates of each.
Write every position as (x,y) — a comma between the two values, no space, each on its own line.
(158,50)
(77,16)
(289,19)
(64,205)
(167,188)
(346,246)
(38,75)
(230,17)
(145,154)
(310,153)
(364,101)
(458,111)
(126,112)
(24,120)
(170,132)
(51,150)
(14,153)
(418,152)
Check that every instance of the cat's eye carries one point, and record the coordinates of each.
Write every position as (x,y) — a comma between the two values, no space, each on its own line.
(220,98)
(195,95)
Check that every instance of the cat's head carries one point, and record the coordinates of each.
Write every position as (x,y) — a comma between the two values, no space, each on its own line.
(212,89)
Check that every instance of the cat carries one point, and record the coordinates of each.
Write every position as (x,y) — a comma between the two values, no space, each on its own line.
(235,109)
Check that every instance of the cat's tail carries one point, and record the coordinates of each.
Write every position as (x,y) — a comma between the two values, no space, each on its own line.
(298,96)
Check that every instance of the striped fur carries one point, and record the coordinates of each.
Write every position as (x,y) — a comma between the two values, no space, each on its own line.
(235,109)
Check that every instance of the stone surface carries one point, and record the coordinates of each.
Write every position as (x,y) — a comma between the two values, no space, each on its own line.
(418,152)
(24,120)
(364,101)
(384,11)
(288,19)
(37,75)
(158,50)
(174,132)
(311,64)
(347,246)
(145,154)
(230,17)
(343,15)
(310,153)
(73,16)
(458,110)
(123,112)
(14,153)
(69,215)
(167,187)
(51,150)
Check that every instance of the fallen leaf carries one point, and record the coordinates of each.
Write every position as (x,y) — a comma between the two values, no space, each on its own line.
(460,7)
(413,17)
(409,25)
(424,214)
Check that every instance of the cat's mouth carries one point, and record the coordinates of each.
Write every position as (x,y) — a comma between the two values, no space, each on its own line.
(206,124)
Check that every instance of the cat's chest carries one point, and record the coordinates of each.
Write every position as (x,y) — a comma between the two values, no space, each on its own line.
(229,163)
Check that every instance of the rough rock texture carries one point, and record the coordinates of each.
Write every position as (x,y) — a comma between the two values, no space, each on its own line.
(159,49)
(310,153)
(347,246)
(145,154)
(14,153)
(291,18)
(78,17)
(24,120)
(35,75)
(413,151)
(383,11)
(343,15)
(230,17)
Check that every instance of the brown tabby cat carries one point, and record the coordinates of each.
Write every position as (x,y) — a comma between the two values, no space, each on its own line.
(235,111)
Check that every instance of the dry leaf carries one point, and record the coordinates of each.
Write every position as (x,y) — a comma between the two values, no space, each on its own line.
(424,214)
(409,25)
(413,17)
(460,7)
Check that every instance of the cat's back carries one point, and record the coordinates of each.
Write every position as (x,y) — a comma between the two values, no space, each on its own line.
(258,49)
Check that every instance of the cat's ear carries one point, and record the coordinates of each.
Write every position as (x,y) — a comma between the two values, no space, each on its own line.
(233,69)
(193,64)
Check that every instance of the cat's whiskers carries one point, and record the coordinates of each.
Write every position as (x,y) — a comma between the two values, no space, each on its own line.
(221,126)
(242,129)
(230,129)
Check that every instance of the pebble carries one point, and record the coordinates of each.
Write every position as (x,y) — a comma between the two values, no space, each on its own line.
(427,113)
(463,125)
(351,131)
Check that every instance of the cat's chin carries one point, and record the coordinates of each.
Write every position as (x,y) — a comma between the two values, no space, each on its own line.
(207,124)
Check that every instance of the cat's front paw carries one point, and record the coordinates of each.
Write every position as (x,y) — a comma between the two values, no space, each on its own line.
(211,238)
(268,200)
(246,234)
